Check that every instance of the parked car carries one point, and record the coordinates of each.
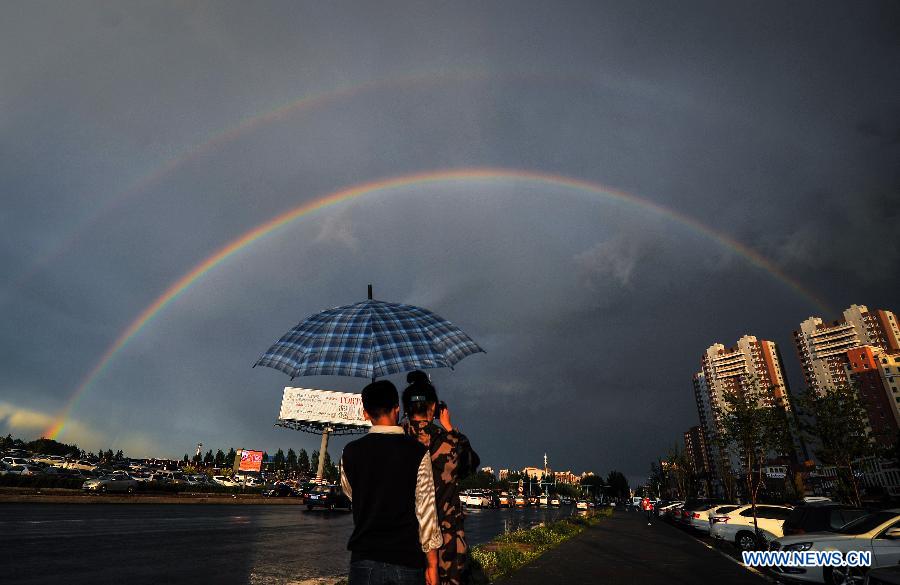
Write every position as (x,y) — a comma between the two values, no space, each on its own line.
(718,511)
(878,533)
(693,513)
(737,526)
(505,500)
(582,505)
(49,459)
(554,501)
(883,576)
(110,483)
(10,461)
(327,496)
(280,490)
(223,481)
(820,517)
(22,470)
(247,480)
(520,502)
(81,464)
(478,499)
(669,509)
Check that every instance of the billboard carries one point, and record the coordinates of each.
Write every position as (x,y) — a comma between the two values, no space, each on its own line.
(247,460)
(322,406)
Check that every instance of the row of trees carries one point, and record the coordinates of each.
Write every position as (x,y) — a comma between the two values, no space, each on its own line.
(756,429)
(292,464)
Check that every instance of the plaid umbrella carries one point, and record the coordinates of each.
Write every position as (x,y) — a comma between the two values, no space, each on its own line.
(368,340)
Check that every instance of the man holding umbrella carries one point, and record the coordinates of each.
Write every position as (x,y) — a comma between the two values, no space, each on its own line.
(388,477)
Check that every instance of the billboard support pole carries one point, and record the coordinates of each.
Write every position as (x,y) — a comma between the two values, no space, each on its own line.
(323,449)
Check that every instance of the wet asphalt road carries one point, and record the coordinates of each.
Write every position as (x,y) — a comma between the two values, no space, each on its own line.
(194,544)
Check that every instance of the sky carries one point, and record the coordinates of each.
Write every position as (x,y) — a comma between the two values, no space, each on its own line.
(654,178)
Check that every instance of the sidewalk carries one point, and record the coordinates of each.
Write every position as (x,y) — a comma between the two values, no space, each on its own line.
(623,549)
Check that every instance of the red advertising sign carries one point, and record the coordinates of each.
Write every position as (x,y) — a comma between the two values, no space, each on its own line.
(250,460)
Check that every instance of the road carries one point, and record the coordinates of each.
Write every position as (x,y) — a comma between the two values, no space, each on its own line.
(623,550)
(193,544)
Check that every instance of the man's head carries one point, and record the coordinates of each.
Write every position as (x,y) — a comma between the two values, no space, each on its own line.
(381,404)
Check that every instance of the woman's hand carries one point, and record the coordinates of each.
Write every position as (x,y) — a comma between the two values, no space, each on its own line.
(444,417)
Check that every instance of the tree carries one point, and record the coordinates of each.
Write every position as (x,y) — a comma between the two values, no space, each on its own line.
(279,460)
(303,461)
(314,463)
(230,457)
(219,460)
(836,427)
(478,480)
(618,484)
(291,461)
(208,458)
(186,458)
(679,472)
(119,456)
(331,471)
(656,480)
(755,427)
(592,485)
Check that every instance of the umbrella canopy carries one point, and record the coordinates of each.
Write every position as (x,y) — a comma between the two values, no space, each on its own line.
(369,340)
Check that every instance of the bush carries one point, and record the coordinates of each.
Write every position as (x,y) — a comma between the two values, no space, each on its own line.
(513,550)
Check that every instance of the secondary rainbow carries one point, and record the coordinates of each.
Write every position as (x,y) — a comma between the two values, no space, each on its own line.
(222,137)
(464,174)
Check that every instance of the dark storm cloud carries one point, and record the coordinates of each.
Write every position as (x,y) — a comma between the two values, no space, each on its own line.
(775,124)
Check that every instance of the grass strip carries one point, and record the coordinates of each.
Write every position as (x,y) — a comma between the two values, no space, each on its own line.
(513,550)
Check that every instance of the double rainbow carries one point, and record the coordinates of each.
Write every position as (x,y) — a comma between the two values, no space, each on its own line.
(383,185)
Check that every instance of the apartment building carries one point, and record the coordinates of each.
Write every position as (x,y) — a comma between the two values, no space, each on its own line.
(734,369)
(822,347)
(874,374)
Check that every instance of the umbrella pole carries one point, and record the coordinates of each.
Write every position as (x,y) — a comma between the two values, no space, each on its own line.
(323,448)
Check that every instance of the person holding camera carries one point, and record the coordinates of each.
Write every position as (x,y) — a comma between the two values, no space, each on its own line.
(452,459)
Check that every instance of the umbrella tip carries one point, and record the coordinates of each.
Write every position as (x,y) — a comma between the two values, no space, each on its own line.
(370,291)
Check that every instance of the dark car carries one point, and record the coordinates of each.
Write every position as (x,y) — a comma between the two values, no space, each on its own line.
(884,576)
(820,517)
(280,490)
(328,497)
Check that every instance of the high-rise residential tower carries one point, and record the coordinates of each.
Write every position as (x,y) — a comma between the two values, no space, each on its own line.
(823,347)
(733,369)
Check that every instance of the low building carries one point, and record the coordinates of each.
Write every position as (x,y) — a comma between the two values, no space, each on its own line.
(566,477)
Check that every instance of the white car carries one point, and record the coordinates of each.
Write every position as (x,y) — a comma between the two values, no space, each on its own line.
(22,470)
(736,526)
(57,460)
(81,465)
(703,524)
(478,500)
(10,461)
(667,508)
(224,481)
(877,533)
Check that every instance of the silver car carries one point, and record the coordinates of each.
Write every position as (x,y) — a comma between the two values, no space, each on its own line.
(111,483)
